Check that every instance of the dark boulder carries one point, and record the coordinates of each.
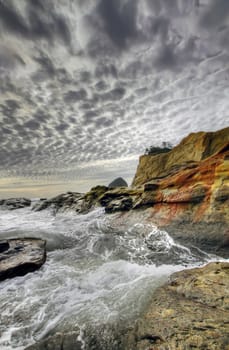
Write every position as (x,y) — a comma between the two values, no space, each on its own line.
(119,182)
(63,201)
(15,203)
(20,256)
(119,204)
(4,245)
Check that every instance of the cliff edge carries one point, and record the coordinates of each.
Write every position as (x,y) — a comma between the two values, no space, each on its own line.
(185,191)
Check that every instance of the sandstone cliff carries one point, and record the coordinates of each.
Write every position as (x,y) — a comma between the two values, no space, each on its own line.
(185,190)
(191,150)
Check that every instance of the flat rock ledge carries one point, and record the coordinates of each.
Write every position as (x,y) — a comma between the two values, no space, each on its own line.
(21,256)
(190,312)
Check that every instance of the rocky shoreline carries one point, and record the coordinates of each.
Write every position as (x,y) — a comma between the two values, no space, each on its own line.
(190,312)
(186,192)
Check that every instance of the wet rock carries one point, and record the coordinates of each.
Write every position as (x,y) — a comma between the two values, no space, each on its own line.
(119,182)
(118,199)
(63,201)
(120,204)
(190,312)
(92,198)
(20,256)
(78,202)
(15,203)
(4,245)
(59,341)
(110,336)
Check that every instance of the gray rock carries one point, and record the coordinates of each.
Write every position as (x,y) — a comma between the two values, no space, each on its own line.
(119,182)
(63,201)
(15,203)
(20,256)
(119,204)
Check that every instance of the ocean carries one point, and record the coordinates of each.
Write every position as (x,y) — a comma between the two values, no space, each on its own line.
(95,273)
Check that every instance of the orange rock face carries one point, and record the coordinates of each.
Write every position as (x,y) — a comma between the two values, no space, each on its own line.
(184,191)
(195,187)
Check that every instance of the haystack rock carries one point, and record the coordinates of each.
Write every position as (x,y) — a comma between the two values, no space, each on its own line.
(119,182)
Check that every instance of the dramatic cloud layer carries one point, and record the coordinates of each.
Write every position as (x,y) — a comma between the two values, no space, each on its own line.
(87,85)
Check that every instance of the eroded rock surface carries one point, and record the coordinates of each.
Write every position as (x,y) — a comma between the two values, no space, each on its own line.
(20,256)
(187,154)
(184,191)
(190,312)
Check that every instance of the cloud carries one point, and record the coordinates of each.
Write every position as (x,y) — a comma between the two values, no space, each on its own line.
(166,58)
(138,73)
(40,22)
(115,94)
(74,96)
(215,14)
(9,60)
(119,20)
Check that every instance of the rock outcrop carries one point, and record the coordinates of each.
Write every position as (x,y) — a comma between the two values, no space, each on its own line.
(191,150)
(20,256)
(190,312)
(14,203)
(78,202)
(185,191)
(119,182)
(63,201)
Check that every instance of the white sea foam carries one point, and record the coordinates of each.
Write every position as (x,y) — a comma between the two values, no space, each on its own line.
(92,275)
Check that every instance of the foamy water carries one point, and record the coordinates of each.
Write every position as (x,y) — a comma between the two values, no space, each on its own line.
(93,274)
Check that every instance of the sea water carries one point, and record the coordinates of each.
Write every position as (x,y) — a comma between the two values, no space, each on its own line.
(95,273)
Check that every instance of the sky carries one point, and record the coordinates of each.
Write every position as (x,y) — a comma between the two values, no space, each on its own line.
(87,85)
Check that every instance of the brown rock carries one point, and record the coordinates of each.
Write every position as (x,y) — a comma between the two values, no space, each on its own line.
(190,312)
(21,256)
(193,148)
(187,190)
